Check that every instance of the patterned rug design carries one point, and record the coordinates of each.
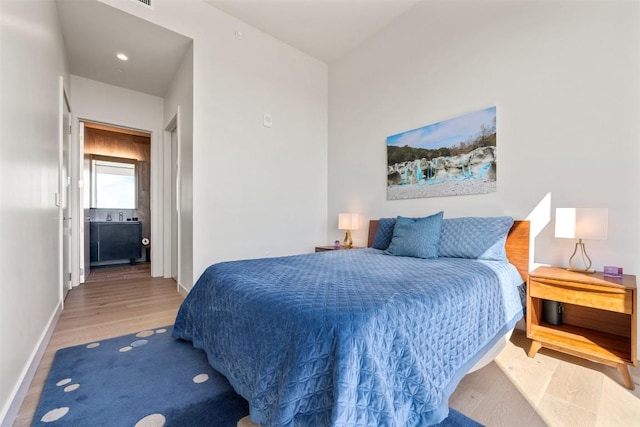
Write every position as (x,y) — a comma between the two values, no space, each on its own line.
(148,379)
(144,379)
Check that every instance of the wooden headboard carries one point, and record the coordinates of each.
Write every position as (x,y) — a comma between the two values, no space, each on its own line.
(517,245)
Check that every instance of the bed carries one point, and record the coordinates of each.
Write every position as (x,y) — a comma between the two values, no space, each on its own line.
(353,337)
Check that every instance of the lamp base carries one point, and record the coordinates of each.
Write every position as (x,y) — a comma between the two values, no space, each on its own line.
(580,248)
(348,243)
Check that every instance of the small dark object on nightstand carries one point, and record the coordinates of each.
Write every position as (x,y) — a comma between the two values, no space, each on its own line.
(552,312)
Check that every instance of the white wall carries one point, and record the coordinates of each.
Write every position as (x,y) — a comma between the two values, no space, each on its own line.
(256,191)
(100,102)
(565,77)
(180,94)
(32,58)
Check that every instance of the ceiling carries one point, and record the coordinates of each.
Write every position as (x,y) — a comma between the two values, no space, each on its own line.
(325,29)
(94,32)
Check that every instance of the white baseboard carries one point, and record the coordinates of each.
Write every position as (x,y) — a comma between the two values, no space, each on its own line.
(182,290)
(12,408)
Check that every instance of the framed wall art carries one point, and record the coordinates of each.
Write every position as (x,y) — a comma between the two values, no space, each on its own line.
(449,158)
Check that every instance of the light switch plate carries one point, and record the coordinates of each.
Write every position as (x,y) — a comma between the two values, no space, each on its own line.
(267,121)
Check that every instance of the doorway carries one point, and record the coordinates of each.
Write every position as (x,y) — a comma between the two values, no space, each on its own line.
(116,198)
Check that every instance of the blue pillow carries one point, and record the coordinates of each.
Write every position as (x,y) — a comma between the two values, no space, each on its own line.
(475,237)
(384,233)
(416,237)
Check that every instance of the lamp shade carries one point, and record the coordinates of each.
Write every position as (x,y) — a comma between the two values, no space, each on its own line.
(348,221)
(582,223)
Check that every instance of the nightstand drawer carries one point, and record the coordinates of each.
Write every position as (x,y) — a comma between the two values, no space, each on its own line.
(610,299)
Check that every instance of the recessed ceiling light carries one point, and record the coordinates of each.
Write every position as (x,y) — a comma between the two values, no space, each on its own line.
(122,57)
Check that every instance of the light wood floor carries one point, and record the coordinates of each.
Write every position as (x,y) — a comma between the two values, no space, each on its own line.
(551,389)
(117,272)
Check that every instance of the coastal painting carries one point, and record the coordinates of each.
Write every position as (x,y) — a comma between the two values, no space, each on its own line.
(449,158)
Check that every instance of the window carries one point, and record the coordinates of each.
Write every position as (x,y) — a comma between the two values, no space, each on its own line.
(113,184)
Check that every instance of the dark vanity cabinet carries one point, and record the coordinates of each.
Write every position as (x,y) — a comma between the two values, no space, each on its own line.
(111,241)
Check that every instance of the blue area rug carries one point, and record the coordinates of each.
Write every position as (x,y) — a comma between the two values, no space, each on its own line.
(146,379)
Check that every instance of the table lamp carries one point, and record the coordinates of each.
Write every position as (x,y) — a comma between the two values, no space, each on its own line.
(581,223)
(348,222)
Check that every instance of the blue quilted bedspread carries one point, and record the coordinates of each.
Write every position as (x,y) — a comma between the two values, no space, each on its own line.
(349,338)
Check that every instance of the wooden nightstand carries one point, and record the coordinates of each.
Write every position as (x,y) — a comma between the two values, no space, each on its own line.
(333,248)
(599,319)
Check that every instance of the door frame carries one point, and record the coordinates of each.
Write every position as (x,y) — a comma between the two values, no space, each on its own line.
(82,210)
(156,182)
(172,248)
(65,242)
